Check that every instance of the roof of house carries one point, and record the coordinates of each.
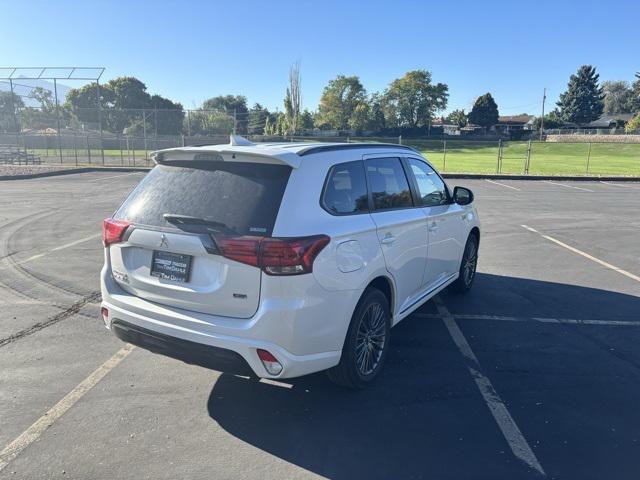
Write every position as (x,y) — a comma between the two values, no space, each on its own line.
(515,119)
(605,121)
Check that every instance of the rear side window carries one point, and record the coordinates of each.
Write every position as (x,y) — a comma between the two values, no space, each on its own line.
(346,189)
(388,183)
(244,197)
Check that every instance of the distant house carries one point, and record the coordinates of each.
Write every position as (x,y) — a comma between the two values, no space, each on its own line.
(507,123)
(450,129)
(610,121)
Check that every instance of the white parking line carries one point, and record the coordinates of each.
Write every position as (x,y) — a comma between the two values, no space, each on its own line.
(61,247)
(573,321)
(584,254)
(502,184)
(567,186)
(32,433)
(510,430)
(276,383)
(618,185)
(99,179)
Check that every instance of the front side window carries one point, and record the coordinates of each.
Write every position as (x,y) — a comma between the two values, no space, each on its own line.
(388,184)
(431,188)
(346,189)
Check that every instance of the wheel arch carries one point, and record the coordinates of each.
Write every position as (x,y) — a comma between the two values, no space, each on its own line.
(476,232)
(386,286)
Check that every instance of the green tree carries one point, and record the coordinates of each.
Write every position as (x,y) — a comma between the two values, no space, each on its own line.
(583,102)
(360,118)
(122,100)
(44,116)
(635,101)
(633,125)
(457,117)
(210,122)
(618,97)
(551,120)
(257,119)
(83,103)
(9,103)
(293,99)
(377,121)
(412,100)
(484,112)
(282,125)
(128,99)
(45,98)
(306,120)
(290,112)
(231,105)
(269,127)
(168,116)
(339,101)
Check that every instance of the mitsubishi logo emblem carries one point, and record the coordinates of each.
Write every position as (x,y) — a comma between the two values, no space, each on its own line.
(163,241)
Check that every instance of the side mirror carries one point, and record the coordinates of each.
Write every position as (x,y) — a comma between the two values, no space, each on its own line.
(462,196)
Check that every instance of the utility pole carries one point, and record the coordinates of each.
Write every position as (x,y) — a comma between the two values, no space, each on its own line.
(544,98)
(55,94)
(100,117)
(15,116)
(235,121)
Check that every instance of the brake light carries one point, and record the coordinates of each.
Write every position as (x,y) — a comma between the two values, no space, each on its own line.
(113,231)
(241,249)
(275,256)
(291,256)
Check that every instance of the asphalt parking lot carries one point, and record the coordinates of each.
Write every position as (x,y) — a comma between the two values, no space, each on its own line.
(534,373)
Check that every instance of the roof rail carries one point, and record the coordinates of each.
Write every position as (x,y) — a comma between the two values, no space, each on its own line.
(352,146)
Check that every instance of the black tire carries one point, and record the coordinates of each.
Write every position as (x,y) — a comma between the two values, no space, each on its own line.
(468,265)
(372,316)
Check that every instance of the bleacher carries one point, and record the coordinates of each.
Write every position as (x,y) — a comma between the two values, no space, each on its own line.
(11,154)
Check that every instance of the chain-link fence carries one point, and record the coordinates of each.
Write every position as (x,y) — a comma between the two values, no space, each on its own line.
(126,137)
(448,155)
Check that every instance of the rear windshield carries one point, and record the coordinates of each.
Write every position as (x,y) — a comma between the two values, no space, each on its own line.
(245,197)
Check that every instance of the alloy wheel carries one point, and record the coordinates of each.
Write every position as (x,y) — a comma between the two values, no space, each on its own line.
(370,339)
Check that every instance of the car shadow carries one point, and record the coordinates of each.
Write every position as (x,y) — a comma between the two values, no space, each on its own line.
(424,416)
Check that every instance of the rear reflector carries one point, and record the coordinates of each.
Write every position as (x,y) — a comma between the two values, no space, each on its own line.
(113,231)
(271,364)
(105,315)
(275,256)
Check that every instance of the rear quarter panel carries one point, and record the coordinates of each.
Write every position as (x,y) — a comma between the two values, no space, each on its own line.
(353,257)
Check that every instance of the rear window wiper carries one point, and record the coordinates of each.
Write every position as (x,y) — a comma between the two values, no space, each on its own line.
(183,221)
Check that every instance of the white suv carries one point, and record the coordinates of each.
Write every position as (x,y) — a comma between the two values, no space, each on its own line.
(279,260)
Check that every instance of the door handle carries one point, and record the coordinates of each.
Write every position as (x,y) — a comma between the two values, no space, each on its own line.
(388,239)
(433,227)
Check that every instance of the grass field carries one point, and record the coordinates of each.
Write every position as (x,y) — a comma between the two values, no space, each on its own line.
(545,158)
(461,156)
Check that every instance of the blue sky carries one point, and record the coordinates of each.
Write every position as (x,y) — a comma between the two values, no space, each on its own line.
(193,50)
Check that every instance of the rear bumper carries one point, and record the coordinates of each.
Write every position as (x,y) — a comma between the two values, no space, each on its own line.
(304,340)
(206,349)
(189,352)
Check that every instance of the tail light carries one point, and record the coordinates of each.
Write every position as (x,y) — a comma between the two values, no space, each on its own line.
(275,256)
(113,231)
(271,363)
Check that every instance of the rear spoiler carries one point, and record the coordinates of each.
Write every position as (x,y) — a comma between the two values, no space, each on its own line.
(234,152)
